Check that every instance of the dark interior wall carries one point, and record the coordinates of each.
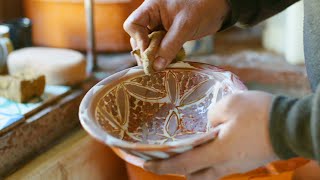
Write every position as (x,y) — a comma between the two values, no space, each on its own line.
(10,9)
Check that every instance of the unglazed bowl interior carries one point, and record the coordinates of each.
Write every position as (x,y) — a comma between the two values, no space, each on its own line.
(132,110)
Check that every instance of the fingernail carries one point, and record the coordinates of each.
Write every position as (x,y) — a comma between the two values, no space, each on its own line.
(159,64)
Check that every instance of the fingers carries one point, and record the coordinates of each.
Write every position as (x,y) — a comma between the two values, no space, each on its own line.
(148,17)
(216,115)
(179,32)
(205,174)
(134,46)
(219,113)
(310,171)
(137,26)
(180,164)
(188,162)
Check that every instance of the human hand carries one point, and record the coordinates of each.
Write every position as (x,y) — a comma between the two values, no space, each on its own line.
(242,143)
(310,171)
(183,20)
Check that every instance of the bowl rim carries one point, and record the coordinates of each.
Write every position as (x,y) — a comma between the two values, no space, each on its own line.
(99,134)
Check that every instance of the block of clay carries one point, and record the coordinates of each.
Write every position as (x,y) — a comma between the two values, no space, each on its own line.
(60,66)
(22,87)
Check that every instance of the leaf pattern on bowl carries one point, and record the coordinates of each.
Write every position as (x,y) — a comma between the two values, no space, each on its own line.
(172,125)
(163,107)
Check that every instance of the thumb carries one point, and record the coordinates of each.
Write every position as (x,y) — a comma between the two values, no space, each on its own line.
(172,43)
(215,117)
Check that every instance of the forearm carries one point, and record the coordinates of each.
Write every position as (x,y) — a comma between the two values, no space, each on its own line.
(311,41)
(251,12)
(295,126)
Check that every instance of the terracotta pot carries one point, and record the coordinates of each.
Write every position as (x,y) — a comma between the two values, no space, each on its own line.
(61,23)
(280,170)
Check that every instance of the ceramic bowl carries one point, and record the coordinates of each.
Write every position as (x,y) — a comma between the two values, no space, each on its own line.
(156,116)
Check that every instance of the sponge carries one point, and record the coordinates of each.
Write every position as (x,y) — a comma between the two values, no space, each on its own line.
(149,55)
(22,87)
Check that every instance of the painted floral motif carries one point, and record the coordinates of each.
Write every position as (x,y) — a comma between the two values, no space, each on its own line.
(166,106)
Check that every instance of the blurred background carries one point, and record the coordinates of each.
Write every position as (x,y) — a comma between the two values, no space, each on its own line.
(61,23)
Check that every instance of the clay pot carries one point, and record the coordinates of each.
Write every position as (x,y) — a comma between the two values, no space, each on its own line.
(156,116)
(280,170)
(61,23)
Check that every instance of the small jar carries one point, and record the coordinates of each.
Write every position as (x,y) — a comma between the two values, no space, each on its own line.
(5,48)
(20,32)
